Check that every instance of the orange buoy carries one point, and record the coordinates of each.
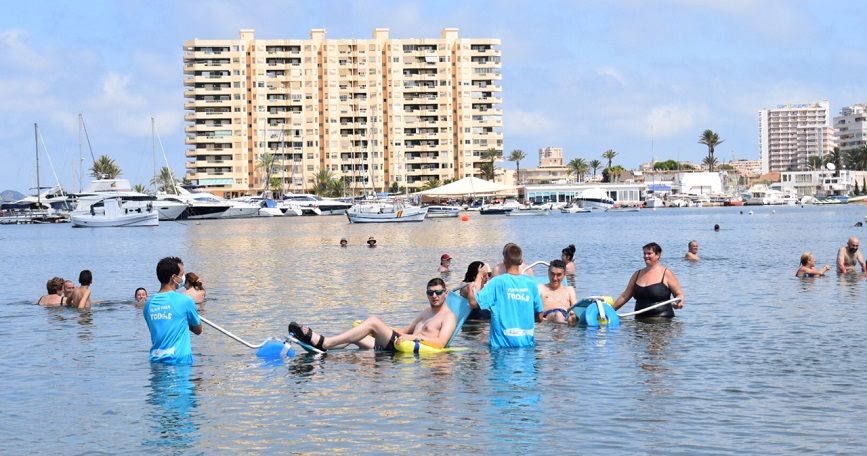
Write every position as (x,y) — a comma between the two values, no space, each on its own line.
(465,217)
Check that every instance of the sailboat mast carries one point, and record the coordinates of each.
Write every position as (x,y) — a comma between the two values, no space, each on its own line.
(38,185)
(154,155)
(80,156)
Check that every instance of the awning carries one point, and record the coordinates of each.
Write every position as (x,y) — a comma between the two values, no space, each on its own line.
(469,186)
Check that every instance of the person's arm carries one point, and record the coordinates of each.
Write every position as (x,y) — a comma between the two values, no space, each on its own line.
(411,328)
(444,334)
(674,285)
(538,305)
(818,272)
(627,293)
(841,260)
(193,320)
(860,259)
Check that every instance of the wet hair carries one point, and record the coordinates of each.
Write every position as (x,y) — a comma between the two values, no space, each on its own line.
(559,264)
(54,285)
(716,227)
(137,290)
(167,267)
(513,255)
(653,246)
(805,258)
(569,252)
(85,277)
(436,281)
(193,281)
(473,271)
(691,243)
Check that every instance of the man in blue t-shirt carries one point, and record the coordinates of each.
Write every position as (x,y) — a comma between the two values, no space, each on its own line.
(171,316)
(514,302)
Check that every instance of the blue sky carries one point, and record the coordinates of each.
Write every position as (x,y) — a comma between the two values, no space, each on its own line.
(586,76)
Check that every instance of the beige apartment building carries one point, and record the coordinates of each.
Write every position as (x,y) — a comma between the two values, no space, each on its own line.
(373,112)
(851,127)
(789,134)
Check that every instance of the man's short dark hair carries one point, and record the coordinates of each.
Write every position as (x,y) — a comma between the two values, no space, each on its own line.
(436,281)
(85,277)
(559,264)
(513,255)
(167,267)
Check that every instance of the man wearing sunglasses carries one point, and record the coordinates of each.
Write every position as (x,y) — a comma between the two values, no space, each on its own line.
(514,301)
(433,327)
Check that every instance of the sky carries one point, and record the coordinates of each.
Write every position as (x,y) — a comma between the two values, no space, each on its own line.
(644,78)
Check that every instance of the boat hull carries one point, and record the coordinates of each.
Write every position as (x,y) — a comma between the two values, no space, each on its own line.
(407,214)
(127,220)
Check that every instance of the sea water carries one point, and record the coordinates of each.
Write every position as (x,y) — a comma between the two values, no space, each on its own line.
(758,361)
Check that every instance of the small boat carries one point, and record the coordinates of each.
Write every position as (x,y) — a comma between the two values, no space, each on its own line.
(526,212)
(594,198)
(495,209)
(385,212)
(623,209)
(443,211)
(314,205)
(574,209)
(114,211)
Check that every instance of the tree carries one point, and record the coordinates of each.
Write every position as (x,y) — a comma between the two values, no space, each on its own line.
(667,165)
(490,155)
(710,162)
(433,183)
(615,172)
(857,190)
(140,188)
(814,162)
(266,163)
(609,155)
(595,164)
(165,181)
(336,187)
(516,156)
(276,186)
(835,157)
(578,167)
(321,181)
(105,168)
(711,140)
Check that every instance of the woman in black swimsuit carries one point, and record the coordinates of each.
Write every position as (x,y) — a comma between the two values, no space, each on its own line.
(652,284)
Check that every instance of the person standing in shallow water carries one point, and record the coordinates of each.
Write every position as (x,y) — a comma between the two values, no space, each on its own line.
(652,284)
(850,256)
(81,295)
(171,316)
(54,298)
(371,242)
(692,251)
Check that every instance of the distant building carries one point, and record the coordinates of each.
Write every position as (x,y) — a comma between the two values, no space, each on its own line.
(704,183)
(550,156)
(789,134)
(850,127)
(822,182)
(372,112)
(747,168)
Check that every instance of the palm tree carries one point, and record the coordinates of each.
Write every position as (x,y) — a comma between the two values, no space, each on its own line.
(516,156)
(814,162)
(105,168)
(595,164)
(835,157)
(710,162)
(490,155)
(578,167)
(266,163)
(140,188)
(609,155)
(856,159)
(336,187)
(321,181)
(433,183)
(165,181)
(711,140)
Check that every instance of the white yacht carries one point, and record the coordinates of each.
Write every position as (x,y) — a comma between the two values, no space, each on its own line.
(439,211)
(314,205)
(385,212)
(594,198)
(97,211)
(761,195)
(201,205)
(652,201)
(103,188)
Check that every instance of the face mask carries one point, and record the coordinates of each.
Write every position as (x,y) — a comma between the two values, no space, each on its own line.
(181,283)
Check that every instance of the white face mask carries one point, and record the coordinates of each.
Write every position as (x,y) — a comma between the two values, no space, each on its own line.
(181,283)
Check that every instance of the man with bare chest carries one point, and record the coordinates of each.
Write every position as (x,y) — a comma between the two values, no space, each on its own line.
(557,299)
(433,327)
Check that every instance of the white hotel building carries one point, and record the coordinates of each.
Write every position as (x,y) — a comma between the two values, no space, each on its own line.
(789,134)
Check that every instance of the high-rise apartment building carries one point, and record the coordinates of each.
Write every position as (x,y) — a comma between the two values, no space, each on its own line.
(851,128)
(789,134)
(550,156)
(374,113)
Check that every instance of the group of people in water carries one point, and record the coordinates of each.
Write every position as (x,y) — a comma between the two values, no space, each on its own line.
(64,292)
(849,257)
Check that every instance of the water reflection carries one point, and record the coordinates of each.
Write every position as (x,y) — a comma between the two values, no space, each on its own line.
(172,396)
(653,340)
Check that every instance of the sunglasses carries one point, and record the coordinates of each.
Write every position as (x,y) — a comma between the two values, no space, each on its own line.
(435,292)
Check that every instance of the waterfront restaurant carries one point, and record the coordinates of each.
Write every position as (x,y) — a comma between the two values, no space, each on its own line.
(623,193)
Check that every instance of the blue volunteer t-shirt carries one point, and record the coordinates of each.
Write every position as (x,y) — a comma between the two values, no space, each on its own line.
(514,301)
(169,316)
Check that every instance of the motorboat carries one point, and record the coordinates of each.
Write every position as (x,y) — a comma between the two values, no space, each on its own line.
(385,212)
(528,211)
(574,209)
(99,211)
(623,209)
(761,195)
(443,211)
(495,209)
(314,205)
(594,198)
(202,206)
(167,210)
(652,201)
(272,208)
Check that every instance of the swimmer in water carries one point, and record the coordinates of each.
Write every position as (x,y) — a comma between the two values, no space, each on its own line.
(849,255)
(808,267)
(692,253)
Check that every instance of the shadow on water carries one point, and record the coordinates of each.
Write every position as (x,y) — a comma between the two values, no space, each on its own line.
(172,400)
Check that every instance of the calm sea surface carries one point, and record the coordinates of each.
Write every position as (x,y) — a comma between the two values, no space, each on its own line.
(759,362)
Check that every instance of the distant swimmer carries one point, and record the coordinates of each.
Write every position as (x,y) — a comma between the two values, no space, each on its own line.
(445,263)
(171,316)
(557,299)
(849,256)
(343,242)
(81,295)
(433,327)
(652,284)
(859,224)
(568,255)
(808,267)
(54,298)
(716,227)
(500,268)
(692,251)
(140,296)
(194,288)
(371,242)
